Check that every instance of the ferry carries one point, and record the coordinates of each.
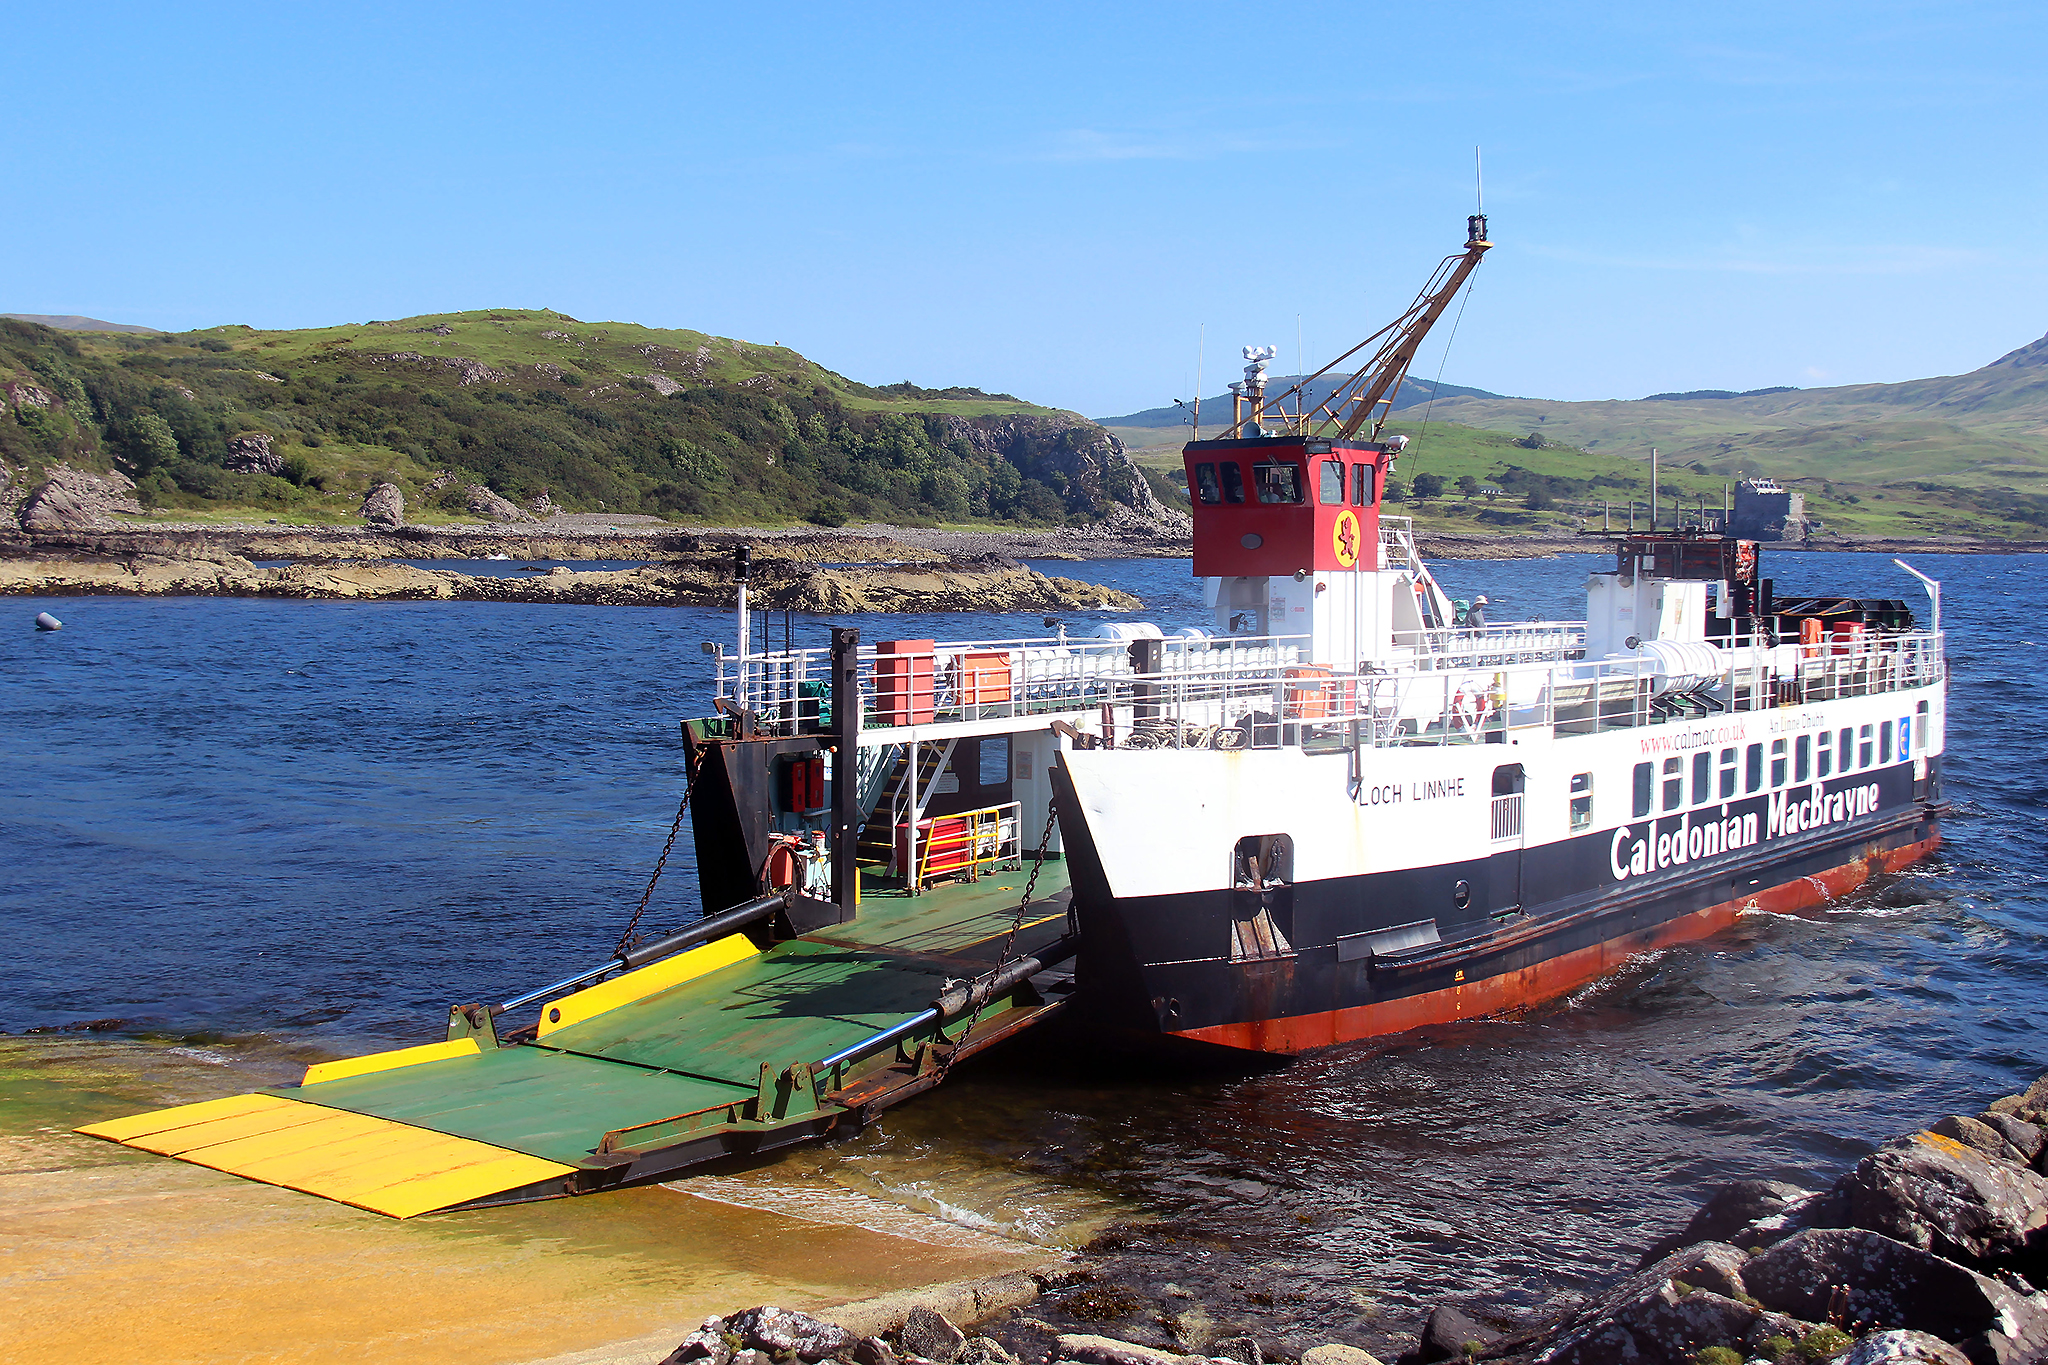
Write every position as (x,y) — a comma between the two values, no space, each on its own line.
(1333,812)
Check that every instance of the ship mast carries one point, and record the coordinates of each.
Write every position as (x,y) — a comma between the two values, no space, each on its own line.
(1367,396)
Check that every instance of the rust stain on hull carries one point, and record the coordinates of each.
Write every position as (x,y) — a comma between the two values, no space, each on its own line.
(1552,978)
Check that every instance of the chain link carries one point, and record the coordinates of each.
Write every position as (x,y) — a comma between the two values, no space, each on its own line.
(1009,939)
(627,939)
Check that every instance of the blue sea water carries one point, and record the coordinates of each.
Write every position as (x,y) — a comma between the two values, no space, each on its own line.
(323,822)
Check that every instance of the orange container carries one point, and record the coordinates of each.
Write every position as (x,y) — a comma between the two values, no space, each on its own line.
(984,678)
(1809,637)
(1308,692)
(903,682)
(1847,637)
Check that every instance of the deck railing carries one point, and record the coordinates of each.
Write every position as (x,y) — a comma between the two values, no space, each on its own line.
(1444,687)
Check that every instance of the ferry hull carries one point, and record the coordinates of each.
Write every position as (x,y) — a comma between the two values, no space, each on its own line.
(1150,964)
(1521,987)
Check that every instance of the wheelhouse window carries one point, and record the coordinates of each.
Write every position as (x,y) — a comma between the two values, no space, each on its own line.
(1207,488)
(1277,482)
(1778,763)
(1824,753)
(1753,768)
(1645,787)
(1674,783)
(1865,748)
(1582,801)
(1922,714)
(1727,773)
(1233,481)
(1702,777)
(1361,489)
(1330,483)
(1802,758)
(1884,742)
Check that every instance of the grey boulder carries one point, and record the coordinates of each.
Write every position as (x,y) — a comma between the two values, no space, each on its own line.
(1902,1344)
(1651,1320)
(1448,1330)
(1876,1281)
(384,506)
(1981,1136)
(781,1331)
(706,1344)
(927,1334)
(1935,1193)
(484,503)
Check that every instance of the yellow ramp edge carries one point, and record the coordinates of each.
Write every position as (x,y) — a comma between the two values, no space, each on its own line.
(649,980)
(386,1061)
(372,1163)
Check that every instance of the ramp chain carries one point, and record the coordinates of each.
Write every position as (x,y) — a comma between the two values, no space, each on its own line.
(626,940)
(1009,939)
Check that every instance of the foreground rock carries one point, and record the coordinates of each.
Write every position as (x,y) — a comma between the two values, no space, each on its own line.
(986,586)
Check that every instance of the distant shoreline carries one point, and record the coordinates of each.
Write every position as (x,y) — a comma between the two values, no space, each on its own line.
(644,539)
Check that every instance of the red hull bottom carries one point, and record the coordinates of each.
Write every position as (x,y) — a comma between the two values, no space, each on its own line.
(1552,978)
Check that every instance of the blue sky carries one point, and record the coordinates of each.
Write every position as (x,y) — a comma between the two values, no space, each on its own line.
(1051,199)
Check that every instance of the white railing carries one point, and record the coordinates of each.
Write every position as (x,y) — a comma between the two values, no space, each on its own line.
(1458,686)
(1507,817)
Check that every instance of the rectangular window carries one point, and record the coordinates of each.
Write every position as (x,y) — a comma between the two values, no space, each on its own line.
(1582,801)
(1884,742)
(1233,481)
(1802,758)
(1825,753)
(1277,482)
(1330,483)
(1777,763)
(1702,777)
(1922,715)
(1361,485)
(1206,488)
(1864,748)
(1845,752)
(1727,773)
(1753,768)
(1645,782)
(1674,783)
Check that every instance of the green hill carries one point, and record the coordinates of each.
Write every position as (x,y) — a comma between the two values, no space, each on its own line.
(1986,430)
(537,407)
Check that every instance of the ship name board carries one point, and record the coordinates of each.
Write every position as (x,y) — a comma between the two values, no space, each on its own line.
(1692,838)
(1397,793)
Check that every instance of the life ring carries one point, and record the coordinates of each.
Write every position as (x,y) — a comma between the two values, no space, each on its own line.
(1472,704)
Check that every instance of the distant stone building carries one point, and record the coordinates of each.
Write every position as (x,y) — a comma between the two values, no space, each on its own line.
(1766,511)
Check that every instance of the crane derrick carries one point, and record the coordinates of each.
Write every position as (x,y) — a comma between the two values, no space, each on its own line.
(1367,396)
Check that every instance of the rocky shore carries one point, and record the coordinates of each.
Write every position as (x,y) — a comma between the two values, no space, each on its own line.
(1932,1248)
(799,584)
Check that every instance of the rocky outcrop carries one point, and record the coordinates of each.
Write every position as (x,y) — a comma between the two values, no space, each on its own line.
(384,507)
(1933,1248)
(73,499)
(706,581)
(1081,462)
(250,453)
(483,502)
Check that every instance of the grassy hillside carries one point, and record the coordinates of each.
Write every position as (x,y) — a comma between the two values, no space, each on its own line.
(534,404)
(1554,487)
(1971,446)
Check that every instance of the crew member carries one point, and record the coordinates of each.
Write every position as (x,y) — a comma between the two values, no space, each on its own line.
(1475,616)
